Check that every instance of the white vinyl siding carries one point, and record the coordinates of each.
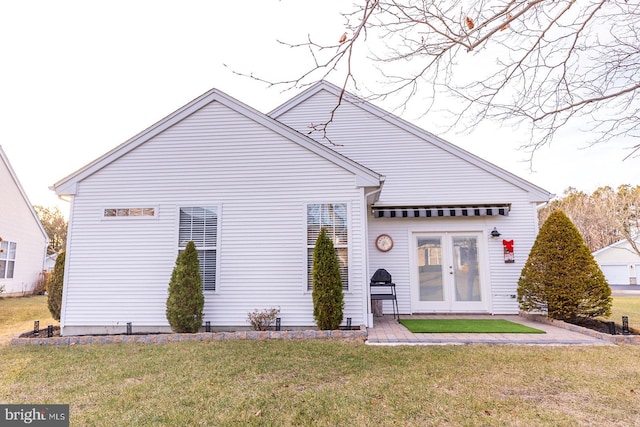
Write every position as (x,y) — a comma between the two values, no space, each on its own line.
(419,172)
(19,226)
(260,183)
(7,259)
(333,218)
(200,225)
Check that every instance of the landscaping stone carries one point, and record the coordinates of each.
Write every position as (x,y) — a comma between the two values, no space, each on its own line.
(615,339)
(359,335)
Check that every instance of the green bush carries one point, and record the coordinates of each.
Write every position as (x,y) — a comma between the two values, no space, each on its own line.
(327,295)
(561,276)
(186,300)
(54,287)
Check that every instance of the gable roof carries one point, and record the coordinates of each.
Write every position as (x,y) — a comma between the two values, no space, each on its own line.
(365,177)
(537,194)
(622,242)
(14,177)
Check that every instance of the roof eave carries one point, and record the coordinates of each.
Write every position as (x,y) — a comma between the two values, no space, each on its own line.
(69,184)
(13,175)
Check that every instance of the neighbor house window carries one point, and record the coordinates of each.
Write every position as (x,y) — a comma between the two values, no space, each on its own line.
(332,217)
(129,212)
(200,225)
(7,259)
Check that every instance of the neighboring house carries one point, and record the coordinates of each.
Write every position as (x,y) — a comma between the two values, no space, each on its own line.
(24,240)
(253,191)
(50,262)
(619,263)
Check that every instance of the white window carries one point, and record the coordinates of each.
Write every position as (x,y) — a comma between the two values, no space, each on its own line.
(129,212)
(200,225)
(333,218)
(7,259)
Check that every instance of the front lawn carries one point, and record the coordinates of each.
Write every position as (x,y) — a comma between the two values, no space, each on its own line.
(276,383)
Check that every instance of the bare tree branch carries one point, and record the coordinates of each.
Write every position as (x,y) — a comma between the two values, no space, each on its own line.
(541,64)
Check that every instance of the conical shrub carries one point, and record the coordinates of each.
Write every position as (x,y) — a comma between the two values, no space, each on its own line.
(561,277)
(186,300)
(328,301)
(54,287)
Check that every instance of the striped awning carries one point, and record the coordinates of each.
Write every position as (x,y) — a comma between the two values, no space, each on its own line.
(440,211)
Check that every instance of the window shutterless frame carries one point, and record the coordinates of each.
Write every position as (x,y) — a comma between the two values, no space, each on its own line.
(334,218)
(201,225)
(129,213)
(8,251)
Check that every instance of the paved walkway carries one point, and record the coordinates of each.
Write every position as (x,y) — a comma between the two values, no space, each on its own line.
(387,331)
(625,290)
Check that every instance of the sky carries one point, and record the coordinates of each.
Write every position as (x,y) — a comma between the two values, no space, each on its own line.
(78,78)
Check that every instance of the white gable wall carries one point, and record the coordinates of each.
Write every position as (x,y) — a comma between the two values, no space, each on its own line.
(621,252)
(18,224)
(118,270)
(418,172)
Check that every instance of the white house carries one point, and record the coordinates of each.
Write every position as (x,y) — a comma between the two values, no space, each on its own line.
(619,263)
(50,262)
(23,244)
(253,190)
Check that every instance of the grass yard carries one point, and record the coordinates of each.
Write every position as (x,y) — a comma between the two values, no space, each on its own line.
(279,383)
(627,305)
(17,315)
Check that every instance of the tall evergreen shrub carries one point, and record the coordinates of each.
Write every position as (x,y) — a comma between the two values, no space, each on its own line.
(327,294)
(54,287)
(561,276)
(186,300)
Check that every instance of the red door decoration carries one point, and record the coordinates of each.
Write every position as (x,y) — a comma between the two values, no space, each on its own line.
(508,251)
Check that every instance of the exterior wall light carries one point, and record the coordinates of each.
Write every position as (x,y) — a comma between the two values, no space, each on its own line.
(495,233)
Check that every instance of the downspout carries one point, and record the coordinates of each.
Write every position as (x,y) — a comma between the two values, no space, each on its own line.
(367,314)
(65,280)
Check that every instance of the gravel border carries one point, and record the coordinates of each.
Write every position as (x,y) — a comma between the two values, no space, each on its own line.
(342,335)
(615,339)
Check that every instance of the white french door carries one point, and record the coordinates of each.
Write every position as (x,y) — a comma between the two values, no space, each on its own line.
(447,273)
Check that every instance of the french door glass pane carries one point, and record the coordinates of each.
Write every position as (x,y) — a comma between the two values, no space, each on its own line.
(465,264)
(429,258)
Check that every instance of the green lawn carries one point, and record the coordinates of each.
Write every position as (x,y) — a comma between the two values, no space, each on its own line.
(276,383)
(627,305)
(17,315)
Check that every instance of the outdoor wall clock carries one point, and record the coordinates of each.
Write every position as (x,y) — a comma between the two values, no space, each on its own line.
(384,243)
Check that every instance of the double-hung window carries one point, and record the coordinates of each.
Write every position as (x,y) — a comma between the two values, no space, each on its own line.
(200,225)
(333,218)
(7,259)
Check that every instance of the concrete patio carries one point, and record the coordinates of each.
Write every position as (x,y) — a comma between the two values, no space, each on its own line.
(387,331)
